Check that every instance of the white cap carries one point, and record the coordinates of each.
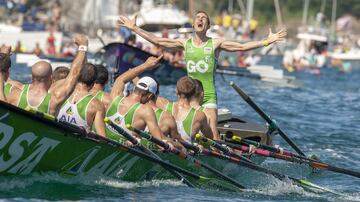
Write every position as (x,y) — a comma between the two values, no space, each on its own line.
(147,83)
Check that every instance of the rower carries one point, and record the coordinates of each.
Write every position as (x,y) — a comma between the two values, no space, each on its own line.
(58,74)
(102,78)
(164,119)
(189,120)
(81,108)
(36,95)
(201,53)
(5,64)
(197,99)
(132,109)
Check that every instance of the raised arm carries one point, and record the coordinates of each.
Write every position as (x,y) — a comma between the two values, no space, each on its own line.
(129,75)
(165,42)
(233,46)
(61,92)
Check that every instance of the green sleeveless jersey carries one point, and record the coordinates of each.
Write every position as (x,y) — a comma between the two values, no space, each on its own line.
(42,107)
(184,126)
(7,88)
(100,95)
(200,65)
(158,113)
(121,120)
(75,113)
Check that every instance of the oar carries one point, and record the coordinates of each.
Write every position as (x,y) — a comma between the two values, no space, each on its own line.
(185,156)
(226,150)
(311,162)
(135,142)
(238,139)
(255,167)
(271,122)
(150,158)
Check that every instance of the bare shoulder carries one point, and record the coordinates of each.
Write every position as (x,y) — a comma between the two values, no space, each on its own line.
(168,119)
(15,83)
(161,102)
(14,95)
(182,41)
(98,105)
(200,116)
(56,85)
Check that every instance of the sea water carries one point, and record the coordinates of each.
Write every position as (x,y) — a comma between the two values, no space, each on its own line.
(322,117)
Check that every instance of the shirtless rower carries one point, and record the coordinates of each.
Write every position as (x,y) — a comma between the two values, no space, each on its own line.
(201,53)
(102,77)
(81,108)
(189,120)
(36,95)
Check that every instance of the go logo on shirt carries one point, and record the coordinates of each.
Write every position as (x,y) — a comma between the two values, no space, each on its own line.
(201,66)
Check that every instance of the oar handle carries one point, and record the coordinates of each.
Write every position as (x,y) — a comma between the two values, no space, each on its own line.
(149,137)
(220,147)
(187,157)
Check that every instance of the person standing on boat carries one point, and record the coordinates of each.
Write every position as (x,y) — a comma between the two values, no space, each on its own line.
(81,108)
(201,53)
(36,95)
(102,77)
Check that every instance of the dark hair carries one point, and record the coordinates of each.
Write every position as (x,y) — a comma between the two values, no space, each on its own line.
(102,74)
(198,87)
(207,16)
(59,73)
(157,89)
(87,74)
(186,87)
(5,62)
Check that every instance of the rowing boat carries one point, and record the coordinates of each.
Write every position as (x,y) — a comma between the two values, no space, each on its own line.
(32,143)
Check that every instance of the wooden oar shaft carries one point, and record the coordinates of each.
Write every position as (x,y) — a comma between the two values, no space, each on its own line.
(187,157)
(265,117)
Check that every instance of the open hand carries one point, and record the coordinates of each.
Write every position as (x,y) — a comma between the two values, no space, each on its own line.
(279,36)
(126,22)
(152,62)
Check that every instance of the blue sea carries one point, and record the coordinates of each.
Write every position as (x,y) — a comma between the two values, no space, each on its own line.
(322,116)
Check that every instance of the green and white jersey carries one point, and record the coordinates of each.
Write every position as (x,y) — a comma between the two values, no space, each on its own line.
(201,64)
(100,95)
(7,88)
(75,113)
(44,105)
(119,119)
(184,126)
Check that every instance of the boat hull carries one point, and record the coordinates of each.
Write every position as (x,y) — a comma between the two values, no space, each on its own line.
(30,143)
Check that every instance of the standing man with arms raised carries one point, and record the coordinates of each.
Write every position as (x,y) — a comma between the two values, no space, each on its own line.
(201,53)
